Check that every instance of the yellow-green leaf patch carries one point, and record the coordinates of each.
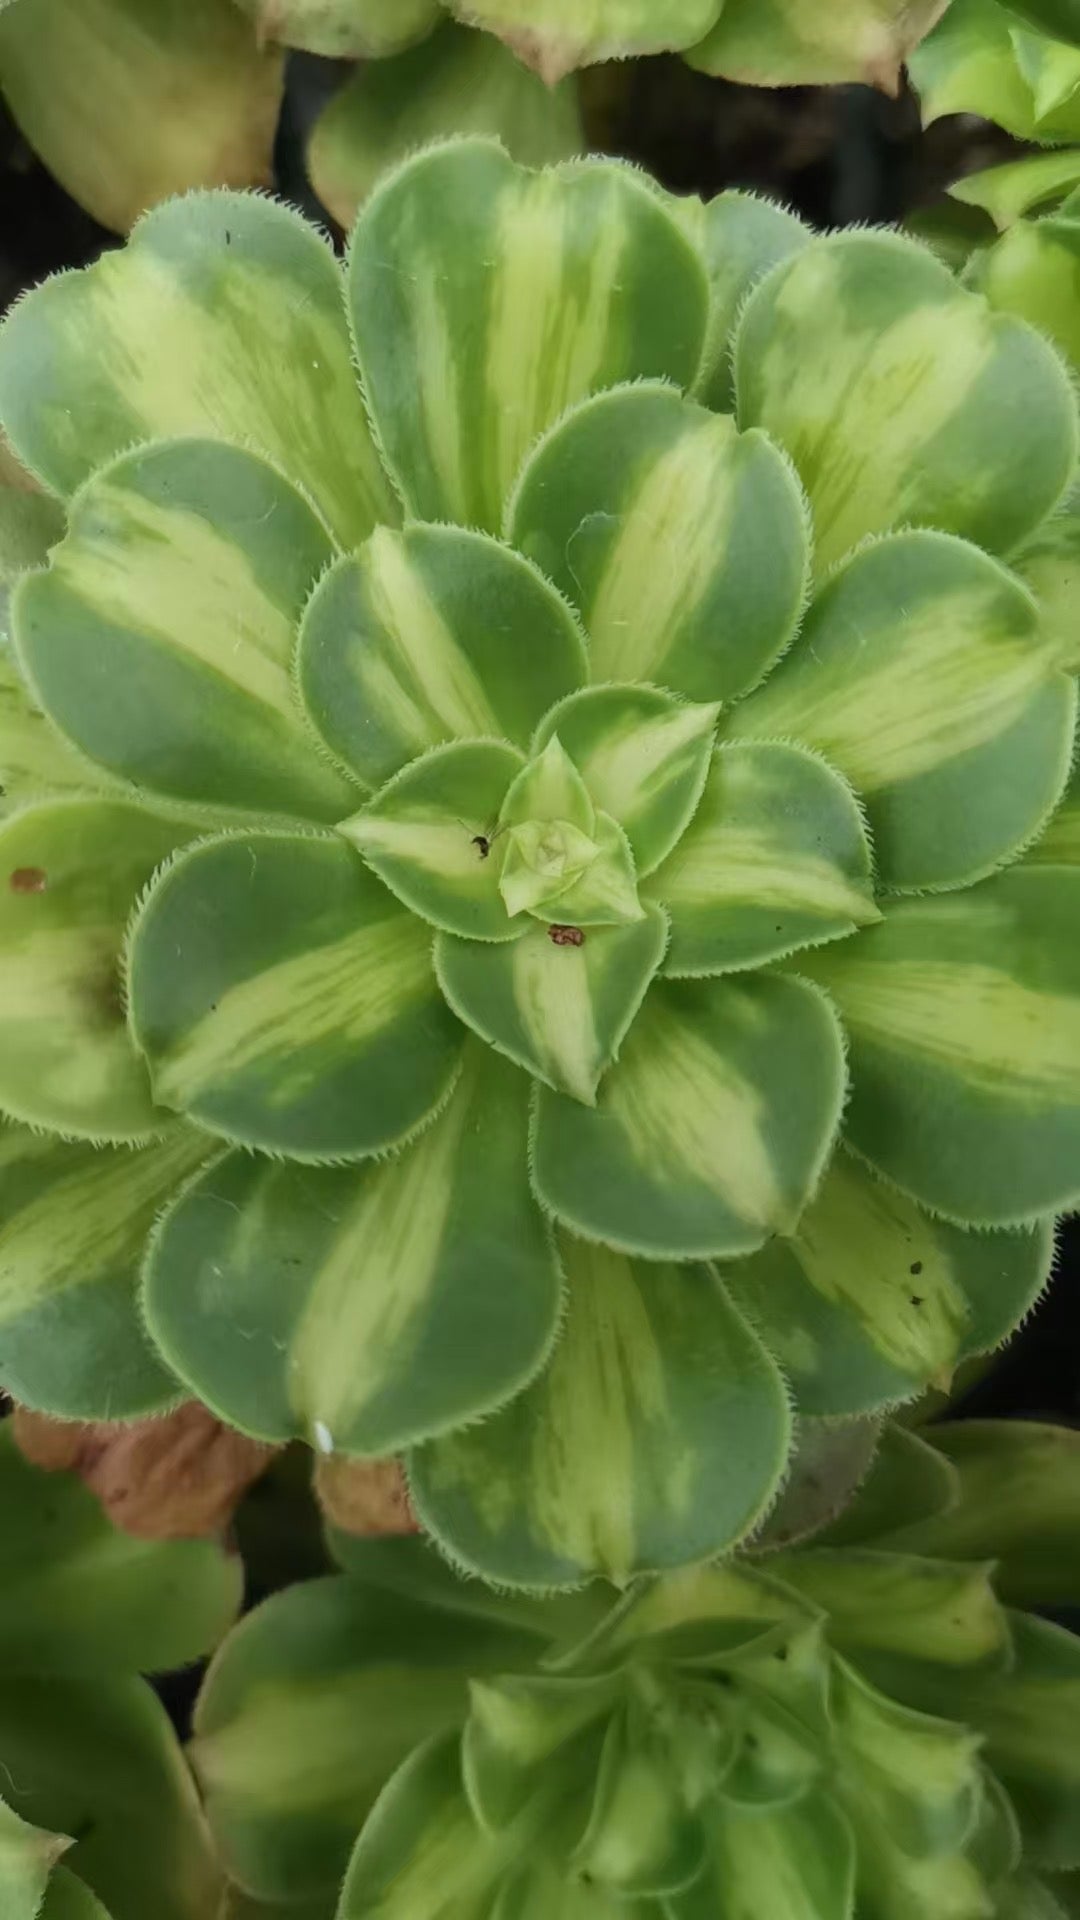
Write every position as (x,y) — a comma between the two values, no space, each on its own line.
(223,315)
(431,635)
(791,1863)
(925,675)
(711,1132)
(486,300)
(657,1435)
(559,1008)
(364,1308)
(901,398)
(555,36)
(682,543)
(161,638)
(963,1013)
(75,1219)
(775,858)
(742,238)
(285,1000)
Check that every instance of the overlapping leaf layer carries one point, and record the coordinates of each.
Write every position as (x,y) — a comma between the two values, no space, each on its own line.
(513,937)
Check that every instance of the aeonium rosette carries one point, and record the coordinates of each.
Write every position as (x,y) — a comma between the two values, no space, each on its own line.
(513,943)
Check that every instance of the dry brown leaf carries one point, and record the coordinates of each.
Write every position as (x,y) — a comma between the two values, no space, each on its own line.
(366,1497)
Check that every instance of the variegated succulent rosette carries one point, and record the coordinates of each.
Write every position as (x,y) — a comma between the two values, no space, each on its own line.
(514,939)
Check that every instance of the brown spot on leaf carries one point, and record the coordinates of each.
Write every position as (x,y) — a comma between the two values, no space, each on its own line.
(366,1497)
(28,880)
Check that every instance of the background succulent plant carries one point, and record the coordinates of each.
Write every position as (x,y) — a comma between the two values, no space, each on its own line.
(456,983)
(99,1818)
(855,1726)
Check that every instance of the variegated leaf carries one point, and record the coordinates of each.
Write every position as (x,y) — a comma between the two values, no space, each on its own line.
(1060,844)
(1049,564)
(1029,1715)
(791,43)
(561,1011)
(1034,270)
(790,1863)
(431,835)
(712,1131)
(75,1221)
(457,82)
(390,1301)
(82,1597)
(160,640)
(901,398)
(923,673)
(644,757)
(682,543)
(520,1728)
(344,29)
(222,316)
(486,300)
(126,105)
(1017,187)
(421,1855)
(643,1840)
(374,1673)
(742,238)
(980,59)
(657,1435)
(71,871)
(555,36)
(901,1604)
(908,1781)
(34,757)
(285,1000)
(871,1298)
(963,1013)
(431,635)
(775,858)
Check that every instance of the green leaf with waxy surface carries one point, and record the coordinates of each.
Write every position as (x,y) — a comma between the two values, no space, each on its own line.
(284,1000)
(682,543)
(831,359)
(925,675)
(393,1300)
(486,300)
(775,858)
(963,1013)
(656,1436)
(221,316)
(431,635)
(698,1146)
(161,638)
(75,1222)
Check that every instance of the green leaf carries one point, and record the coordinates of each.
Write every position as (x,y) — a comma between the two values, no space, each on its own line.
(311,1705)
(789,1863)
(30,523)
(343,29)
(870,1298)
(486,300)
(522,1728)
(886,1602)
(831,359)
(71,871)
(924,675)
(388,1301)
(555,36)
(1034,270)
(788,43)
(909,1482)
(912,1778)
(431,635)
(430,834)
(284,999)
(34,758)
(682,543)
(75,1220)
(560,1011)
(964,1023)
(830,1463)
(223,317)
(644,757)
(1049,564)
(27,1857)
(551,870)
(69,1899)
(642,1838)
(775,858)
(456,82)
(742,237)
(408,1565)
(1060,844)
(657,1435)
(756,1065)
(97,1758)
(160,640)
(969,65)
(80,1597)
(421,1855)
(1059,18)
(1017,187)
(128,104)
(1017,1488)
(1030,1716)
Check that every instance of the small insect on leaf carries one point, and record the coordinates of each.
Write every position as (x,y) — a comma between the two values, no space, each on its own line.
(566,936)
(28,880)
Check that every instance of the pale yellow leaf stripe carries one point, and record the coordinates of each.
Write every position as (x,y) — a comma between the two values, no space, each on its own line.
(724,865)
(556,1009)
(419,637)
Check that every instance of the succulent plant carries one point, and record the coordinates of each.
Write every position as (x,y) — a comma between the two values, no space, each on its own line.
(494,833)
(853,1727)
(99,1818)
